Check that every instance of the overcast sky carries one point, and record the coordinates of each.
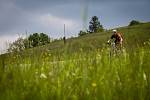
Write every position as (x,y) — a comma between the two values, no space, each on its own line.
(20,16)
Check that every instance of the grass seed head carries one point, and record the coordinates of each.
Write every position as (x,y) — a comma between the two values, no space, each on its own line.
(94,84)
(43,76)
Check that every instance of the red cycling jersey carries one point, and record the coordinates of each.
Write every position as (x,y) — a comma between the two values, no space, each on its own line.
(118,37)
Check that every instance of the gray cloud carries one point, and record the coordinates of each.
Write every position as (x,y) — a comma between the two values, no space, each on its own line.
(19,15)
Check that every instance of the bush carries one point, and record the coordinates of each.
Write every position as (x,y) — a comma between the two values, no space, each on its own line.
(33,40)
(81,33)
(95,25)
(37,39)
(134,22)
(16,46)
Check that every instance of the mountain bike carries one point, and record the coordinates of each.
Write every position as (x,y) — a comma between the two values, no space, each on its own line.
(115,49)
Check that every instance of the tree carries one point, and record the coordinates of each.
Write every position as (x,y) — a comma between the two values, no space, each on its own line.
(44,39)
(27,43)
(95,25)
(134,22)
(34,39)
(38,39)
(17,45)
(81,33)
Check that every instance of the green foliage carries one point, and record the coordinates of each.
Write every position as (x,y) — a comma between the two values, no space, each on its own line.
(134,22)
(38,39)
(100,30)
(95,25)
(33,40)
(27,43)
(17,45)
(81,33)
(44,39)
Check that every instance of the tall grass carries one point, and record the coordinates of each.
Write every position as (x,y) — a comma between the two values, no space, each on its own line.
(90,75)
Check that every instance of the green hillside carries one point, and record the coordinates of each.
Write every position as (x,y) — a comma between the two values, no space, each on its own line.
(133,36)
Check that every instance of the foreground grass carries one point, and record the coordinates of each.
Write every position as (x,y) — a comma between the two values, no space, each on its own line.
(82,75)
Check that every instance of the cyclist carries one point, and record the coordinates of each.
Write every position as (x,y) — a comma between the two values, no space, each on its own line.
(118,39)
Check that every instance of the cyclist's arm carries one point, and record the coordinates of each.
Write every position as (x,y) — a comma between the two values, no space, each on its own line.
(113,36)
(109,41)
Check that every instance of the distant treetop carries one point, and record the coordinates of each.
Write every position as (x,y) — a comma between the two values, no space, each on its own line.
(95,25)
(134,22)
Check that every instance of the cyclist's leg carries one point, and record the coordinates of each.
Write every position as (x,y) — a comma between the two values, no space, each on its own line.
(121,46)
(112,49)
(118,48)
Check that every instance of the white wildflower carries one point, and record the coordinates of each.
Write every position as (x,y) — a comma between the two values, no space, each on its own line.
(144,76)
(94,84)
(43,76)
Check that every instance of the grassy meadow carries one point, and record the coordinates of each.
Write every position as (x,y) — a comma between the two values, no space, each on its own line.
(80,70)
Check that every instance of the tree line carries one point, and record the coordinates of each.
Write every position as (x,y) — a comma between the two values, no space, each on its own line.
(34,40)
(96,27)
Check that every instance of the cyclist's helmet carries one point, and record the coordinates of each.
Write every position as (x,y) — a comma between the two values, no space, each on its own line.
(114,31)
